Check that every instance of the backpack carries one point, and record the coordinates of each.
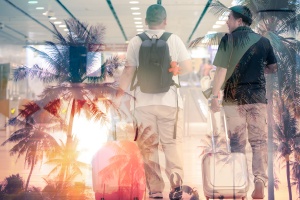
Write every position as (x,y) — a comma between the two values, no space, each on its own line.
(153,74)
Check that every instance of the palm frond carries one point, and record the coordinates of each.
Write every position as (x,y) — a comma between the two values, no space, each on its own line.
(29,109)
(218,9)
(35,71)
(78,32)
(49,59)
(58,36)
(18,135)
(53,107)
(16,121)
(207,40)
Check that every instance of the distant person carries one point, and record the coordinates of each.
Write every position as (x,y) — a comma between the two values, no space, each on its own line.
(159,110)
(205,68)
(242,59)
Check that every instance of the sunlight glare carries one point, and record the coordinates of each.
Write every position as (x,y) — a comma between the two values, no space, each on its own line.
(91,135)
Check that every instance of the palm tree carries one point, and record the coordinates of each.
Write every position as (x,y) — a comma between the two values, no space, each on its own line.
(67,167)
(33,140)
(13,184)
(296,165)
(67,64)
(285,134)
(127,164)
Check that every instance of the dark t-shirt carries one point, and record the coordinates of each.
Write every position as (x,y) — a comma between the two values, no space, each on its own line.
(247,83)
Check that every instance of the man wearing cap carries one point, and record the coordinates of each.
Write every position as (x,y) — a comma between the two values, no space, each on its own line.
(242,59)
(158,111)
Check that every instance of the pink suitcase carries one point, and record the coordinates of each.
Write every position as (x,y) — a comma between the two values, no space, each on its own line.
(224,174)
(118,172)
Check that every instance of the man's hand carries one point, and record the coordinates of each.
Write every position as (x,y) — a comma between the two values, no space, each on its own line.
(270,69)
(175,69)
(215,106)
(118,98)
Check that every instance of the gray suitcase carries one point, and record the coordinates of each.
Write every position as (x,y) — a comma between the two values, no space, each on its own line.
(224,174)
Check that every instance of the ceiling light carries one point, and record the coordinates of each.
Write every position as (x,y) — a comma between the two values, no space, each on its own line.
(234,3)
(52,18)
(57,22)
(136,13)
(62,26)
(135,8)
(133,2)
(139,26)
(66,29)
(137,18)
(138,22)
(211,32)
(216,26)
(40,8)
(220,22)
(32,2)
(127,42)
(140,29)
(139,32)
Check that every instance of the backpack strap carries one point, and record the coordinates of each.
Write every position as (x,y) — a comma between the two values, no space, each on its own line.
(143,36)
(165,36)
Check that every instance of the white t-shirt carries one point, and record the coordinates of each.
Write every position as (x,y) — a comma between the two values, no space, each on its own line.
(178,53)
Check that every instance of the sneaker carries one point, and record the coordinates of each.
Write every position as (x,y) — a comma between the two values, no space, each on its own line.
(155,195)
(258,192)
(176,193)
(176,187)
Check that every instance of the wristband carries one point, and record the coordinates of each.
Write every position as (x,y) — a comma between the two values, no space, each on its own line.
(214,96)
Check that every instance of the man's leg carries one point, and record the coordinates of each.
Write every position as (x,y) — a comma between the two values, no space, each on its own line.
(257,136)
(236,127)
(148,142)
(172,147)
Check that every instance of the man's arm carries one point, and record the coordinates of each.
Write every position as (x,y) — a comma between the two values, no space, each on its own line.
(217,84)
(185,67)
(270,69)
(124,82)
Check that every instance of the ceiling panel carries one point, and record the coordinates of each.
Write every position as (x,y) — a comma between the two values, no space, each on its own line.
(21,19)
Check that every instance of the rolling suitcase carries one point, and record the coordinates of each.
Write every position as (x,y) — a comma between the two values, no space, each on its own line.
(118,169)
(224,174)
(118,172)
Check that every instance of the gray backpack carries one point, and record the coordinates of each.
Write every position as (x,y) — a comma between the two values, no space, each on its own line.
(153,74)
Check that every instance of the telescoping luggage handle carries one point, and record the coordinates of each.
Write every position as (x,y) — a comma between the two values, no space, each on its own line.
(214,127)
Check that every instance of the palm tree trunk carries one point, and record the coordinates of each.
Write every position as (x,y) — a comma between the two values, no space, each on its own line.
(288,176)
(29,175)
(72,114)
(270,87)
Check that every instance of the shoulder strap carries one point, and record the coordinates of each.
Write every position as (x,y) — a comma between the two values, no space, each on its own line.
(143,36)
(165,36)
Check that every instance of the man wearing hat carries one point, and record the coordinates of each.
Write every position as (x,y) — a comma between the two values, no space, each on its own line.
(158,111)
(242,59)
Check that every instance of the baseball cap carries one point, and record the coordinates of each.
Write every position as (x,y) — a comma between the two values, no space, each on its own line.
(244,11)
(155,14)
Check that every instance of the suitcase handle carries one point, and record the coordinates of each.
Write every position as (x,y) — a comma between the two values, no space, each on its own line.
(214,129)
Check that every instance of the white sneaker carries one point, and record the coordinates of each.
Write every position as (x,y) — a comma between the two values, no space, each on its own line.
(156,195)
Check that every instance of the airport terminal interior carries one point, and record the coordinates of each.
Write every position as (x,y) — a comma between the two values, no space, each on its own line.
(28,133)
